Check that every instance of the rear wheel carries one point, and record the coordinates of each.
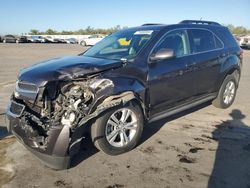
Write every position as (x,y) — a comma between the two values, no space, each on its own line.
(83,43)
(227,92)
(118,130)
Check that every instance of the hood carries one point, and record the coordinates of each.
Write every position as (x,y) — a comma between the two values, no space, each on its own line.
(66,68)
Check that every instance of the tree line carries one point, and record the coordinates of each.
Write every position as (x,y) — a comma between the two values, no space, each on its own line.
(87,31)
(237,30)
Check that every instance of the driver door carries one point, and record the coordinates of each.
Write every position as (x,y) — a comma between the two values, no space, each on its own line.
(170,80)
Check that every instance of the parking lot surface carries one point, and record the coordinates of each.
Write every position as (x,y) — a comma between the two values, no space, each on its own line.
(202,147)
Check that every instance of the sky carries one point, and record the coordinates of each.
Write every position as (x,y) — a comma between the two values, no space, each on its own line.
(20,16)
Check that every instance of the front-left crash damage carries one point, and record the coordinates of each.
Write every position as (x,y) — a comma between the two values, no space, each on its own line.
(51,119)
(46,119)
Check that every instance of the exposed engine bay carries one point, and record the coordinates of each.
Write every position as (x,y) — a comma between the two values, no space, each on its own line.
(71,103)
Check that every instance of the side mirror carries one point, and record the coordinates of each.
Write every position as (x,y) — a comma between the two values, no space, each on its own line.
(162,54)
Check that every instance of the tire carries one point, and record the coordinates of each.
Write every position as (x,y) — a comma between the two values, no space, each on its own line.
(102,130)
(83,43)
(226,96)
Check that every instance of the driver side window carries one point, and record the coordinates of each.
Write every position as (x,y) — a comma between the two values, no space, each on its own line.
(177,41)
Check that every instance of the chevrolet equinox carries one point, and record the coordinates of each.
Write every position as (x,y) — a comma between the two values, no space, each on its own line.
(134,75)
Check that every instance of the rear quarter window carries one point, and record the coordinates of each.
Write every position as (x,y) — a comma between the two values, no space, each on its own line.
(218,42)
(227,38)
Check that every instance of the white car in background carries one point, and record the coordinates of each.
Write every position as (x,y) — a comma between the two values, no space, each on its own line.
(91,40)
(245,41)
(36,39)
(53,40)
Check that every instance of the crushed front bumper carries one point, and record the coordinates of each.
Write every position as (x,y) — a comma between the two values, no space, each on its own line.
(60,144)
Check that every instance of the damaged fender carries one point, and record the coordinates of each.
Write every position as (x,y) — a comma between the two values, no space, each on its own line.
(112,94)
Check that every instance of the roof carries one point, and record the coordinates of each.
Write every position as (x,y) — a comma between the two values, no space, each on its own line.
(184,23)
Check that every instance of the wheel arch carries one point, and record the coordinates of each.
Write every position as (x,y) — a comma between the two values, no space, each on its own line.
(230,66)
(119,92)
(119,99)
(83,41)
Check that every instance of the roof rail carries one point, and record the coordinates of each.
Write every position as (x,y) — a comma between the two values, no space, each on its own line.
(148,24)
(199,22)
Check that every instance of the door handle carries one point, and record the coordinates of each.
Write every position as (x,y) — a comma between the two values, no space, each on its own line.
(181,72)
(222,55)
(191,64)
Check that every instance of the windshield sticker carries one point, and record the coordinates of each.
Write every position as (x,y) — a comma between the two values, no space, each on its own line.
(144,32)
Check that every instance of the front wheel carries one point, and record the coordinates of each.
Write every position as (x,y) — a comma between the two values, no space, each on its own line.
(227,92)
(118,130)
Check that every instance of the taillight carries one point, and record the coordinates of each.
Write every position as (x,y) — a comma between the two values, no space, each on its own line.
(241,53)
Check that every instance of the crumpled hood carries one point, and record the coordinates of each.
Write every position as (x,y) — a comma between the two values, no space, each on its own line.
(66,68)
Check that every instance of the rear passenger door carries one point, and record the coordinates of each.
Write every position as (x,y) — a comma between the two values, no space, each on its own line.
(206,49)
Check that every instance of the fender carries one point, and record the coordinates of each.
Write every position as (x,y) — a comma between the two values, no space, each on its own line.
(228,66)
(121,91)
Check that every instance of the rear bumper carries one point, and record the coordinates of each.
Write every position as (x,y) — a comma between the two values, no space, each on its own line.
(59,147)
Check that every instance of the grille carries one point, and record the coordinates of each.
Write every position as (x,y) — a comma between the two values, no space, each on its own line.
(16,108)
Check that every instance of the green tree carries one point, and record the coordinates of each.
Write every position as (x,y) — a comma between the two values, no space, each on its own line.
(239,30)
(50,32)
(34,32)
(67,33)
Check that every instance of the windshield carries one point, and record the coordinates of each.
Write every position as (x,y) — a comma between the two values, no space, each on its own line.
(121,45)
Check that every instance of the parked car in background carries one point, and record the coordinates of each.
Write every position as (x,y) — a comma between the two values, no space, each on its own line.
(42,39)
(71,41)
(9,39)
(53,40)
(91,40)
(14,39)
(245,41)
(22,39)
(34,39)
(62,40)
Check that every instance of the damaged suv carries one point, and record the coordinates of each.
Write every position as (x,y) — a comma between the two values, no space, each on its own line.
(114,87)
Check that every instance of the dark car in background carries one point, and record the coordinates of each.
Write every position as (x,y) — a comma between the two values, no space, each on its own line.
(9,39)
(14,39)
(114,87)
(22,39)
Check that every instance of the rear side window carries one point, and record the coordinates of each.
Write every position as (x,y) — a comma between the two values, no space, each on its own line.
(226,37)
(202,40)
